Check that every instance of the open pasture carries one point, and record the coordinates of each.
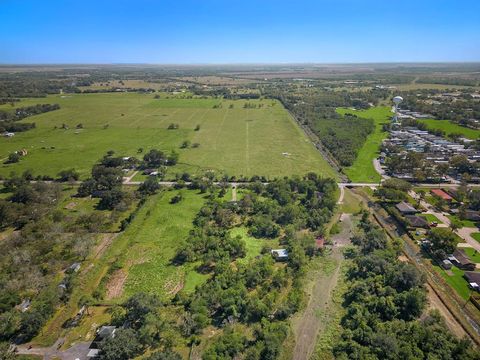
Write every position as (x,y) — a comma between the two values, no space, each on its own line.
(362,169)
(452,128)
(233,139)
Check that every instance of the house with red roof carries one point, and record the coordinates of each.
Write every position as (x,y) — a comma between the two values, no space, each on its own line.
(439,193)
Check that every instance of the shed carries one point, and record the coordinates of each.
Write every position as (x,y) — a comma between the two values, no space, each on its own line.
(75,267)
(320,242)
(106,332)
(25,305)
(280,254)
(446,264)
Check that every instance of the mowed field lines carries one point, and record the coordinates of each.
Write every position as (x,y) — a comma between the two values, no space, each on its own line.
(232,139)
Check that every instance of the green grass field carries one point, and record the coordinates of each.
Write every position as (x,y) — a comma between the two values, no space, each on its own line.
(455,280)
(362,169)
(473,254)
(476,236)
(155,235)
(431,218)
(233,139)
(452,128)
(464,223)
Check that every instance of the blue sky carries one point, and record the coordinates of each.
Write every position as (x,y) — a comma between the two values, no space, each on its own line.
(243,31)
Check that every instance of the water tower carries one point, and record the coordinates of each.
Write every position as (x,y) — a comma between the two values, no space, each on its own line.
(396,102)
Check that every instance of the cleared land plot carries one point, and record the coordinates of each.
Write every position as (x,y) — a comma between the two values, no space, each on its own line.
(452,128)
(362,169)
(233,139)
(253,245)
(154,237)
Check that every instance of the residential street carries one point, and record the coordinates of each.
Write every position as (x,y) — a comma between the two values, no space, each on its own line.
(464,233)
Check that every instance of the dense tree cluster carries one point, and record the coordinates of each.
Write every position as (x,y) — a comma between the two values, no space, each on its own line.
(31,259)
(460,109)
(344,136)
(315,107)
(156,158)
(239,292)
(8,119)
(384,300)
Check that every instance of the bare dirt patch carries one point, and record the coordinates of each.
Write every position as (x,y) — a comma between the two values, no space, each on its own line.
(71,205)
(104,243)
(115,284)
(313,320)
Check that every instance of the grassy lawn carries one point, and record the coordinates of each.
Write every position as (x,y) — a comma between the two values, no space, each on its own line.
(351,205)
(253,245)
(456,281)
(452,128)
(362,169)
(476,236)
(431,218)
(473,254)
(234,140)
(465,223)
(155,235)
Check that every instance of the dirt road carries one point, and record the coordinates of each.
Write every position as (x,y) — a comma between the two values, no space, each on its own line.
(308,326)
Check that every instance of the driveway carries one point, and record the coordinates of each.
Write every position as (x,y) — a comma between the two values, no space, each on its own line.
(466,234)
(77,351)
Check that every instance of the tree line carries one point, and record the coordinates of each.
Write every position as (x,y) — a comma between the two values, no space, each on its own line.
(384,304)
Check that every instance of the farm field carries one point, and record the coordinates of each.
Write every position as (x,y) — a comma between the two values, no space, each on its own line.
(232,139)
(362,169)
(452,128)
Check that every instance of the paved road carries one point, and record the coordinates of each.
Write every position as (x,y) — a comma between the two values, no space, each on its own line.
(77,351)
(379,169)
(342,195)
(466,234)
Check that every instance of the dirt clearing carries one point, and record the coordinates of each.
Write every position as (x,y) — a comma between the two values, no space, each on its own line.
(115,284)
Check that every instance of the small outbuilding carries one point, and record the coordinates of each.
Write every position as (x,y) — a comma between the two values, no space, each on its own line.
(75,267)
(320,242)
(280,254)
(446,264)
